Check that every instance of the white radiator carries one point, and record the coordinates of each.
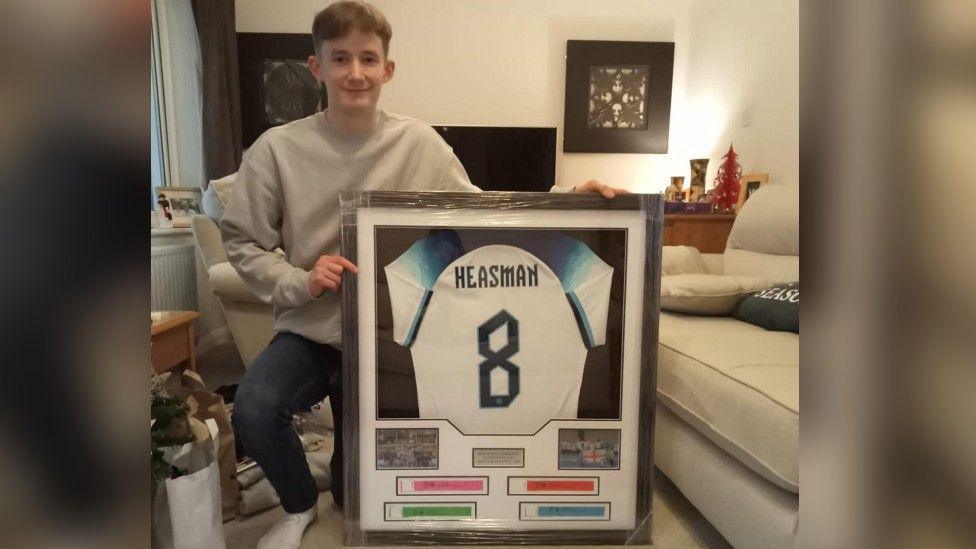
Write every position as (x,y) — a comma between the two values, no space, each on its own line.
(173,276)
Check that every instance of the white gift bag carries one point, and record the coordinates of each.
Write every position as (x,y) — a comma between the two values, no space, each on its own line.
(194,508)
(189,515)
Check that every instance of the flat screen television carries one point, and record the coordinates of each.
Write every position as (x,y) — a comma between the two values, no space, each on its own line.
(505,159)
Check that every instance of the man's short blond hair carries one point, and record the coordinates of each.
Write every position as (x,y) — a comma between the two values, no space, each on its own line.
(340,18)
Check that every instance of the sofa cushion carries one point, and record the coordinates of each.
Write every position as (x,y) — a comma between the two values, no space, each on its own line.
(681,260)
(212,206)
(714,263)
(707,294)
(737,384)
(765,238)
(769,222)
(777,268)
(776,308)
(216,196)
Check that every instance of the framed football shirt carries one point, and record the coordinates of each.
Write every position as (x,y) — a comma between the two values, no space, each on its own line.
(499,366)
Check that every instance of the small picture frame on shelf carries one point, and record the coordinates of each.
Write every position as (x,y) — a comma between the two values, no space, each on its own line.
(749,184)
(676,191)
(177,205)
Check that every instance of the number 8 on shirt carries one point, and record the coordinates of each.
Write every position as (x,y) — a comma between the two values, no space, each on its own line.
(499,335)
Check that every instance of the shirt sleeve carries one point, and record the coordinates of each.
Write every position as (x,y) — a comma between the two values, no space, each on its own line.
(251,230)
(411,278)
(407,294)
(586,279)
(591,297)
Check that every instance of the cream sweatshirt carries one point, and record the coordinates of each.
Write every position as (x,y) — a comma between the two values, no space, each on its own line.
(287,195)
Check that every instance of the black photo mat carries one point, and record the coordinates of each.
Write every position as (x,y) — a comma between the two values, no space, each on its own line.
(618,96)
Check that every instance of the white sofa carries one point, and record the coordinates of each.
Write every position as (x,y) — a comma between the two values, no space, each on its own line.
(727,430)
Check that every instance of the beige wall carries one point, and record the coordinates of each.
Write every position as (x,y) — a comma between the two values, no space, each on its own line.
(744,73)
(502,62)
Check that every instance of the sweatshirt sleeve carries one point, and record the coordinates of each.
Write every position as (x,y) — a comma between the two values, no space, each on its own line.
(251,229)
(561,189)
(454,178)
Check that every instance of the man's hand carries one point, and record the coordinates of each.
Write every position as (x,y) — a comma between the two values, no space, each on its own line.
(594,186)
(327,274)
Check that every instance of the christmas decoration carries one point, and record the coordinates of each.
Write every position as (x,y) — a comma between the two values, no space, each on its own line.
(727,182)
(169,426)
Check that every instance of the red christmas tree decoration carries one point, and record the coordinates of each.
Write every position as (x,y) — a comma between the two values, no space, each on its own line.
(727,182)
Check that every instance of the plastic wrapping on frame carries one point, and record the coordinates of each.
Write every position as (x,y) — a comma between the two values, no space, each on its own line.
(440,209)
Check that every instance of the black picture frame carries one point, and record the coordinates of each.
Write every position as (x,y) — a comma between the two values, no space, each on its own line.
(275,84)
(364,210)
(620,125)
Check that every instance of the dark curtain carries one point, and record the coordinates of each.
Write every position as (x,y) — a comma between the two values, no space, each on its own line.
(221,86)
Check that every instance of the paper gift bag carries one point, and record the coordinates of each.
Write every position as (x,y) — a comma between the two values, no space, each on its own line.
(204,405)
(194,509)
(187,509)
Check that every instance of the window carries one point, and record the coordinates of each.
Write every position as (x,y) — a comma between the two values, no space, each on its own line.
(176,98)
(157,145)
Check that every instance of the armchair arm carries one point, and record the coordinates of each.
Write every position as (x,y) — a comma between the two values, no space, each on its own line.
(227,285)
(207,235)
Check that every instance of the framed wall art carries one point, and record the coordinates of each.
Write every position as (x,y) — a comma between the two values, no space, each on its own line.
(276,85)
(499,358)
(618,96)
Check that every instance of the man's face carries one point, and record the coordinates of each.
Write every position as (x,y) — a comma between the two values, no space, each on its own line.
(353,69)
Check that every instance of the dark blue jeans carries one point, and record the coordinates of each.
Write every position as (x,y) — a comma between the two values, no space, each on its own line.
(290,376)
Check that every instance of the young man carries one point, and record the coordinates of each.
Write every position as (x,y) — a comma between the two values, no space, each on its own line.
(287,196)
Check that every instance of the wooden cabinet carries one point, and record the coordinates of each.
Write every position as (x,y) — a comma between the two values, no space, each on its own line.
(707,232)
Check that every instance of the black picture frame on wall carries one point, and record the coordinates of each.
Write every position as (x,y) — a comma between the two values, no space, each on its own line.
(276,86)
(618,96)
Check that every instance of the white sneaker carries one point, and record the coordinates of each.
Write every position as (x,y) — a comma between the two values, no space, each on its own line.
(288,532)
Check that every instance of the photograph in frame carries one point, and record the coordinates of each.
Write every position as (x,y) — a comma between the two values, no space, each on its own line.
(589,449)
(177,205)
(459,300)
(406,449)
(749,184)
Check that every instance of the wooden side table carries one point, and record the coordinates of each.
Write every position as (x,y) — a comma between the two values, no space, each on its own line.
(707,232)
(171,336)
